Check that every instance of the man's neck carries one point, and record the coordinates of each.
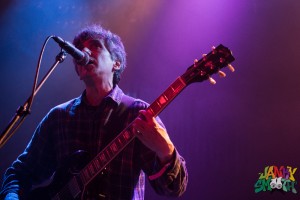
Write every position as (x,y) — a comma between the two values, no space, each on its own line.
(95,94)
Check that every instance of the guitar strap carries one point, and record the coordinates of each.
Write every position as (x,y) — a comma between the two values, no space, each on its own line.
(126,102)
(116,119)
(117,114)
(114,124)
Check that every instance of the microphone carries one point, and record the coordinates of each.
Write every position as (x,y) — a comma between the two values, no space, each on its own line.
(81,58)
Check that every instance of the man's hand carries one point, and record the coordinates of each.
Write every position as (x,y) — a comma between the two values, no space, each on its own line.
(154,136)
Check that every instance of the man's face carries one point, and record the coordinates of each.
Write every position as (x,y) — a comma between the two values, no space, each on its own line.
(101,66)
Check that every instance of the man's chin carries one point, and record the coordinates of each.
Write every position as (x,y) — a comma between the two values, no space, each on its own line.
(88,80)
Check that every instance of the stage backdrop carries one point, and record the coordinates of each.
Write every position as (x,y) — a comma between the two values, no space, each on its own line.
(235,136)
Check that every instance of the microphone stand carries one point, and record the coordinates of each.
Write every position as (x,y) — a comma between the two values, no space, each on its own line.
(23,110)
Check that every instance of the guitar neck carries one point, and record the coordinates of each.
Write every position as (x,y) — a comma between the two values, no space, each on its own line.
(166,97)
(94,167)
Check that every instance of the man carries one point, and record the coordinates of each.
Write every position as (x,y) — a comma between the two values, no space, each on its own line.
(88,123)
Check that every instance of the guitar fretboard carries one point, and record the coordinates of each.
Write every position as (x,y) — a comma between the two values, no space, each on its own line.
(167,96)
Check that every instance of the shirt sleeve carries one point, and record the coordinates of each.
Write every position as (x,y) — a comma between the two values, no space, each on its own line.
(170,179)
(35,164)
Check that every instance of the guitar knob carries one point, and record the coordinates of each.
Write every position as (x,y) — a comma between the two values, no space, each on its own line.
(230,67)
(221,74)
(195,62)
(212,81)
(214,50)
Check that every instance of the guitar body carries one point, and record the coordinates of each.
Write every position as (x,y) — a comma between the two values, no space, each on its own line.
(59,187)
(49,192)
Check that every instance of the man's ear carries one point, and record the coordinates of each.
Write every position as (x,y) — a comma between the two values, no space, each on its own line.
(117,65)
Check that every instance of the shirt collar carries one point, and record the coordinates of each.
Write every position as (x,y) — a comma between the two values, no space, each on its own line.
(115,95)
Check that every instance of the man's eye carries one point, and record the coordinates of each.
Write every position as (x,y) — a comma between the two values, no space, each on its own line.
(96,46)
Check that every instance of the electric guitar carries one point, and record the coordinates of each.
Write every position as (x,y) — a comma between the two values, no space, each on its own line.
(75,186)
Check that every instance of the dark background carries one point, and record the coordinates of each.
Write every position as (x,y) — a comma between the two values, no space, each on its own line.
(228,132)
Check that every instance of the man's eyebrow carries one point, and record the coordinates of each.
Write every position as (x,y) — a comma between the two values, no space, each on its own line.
(95,41)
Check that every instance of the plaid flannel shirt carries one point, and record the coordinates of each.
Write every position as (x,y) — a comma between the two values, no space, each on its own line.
(74,126)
